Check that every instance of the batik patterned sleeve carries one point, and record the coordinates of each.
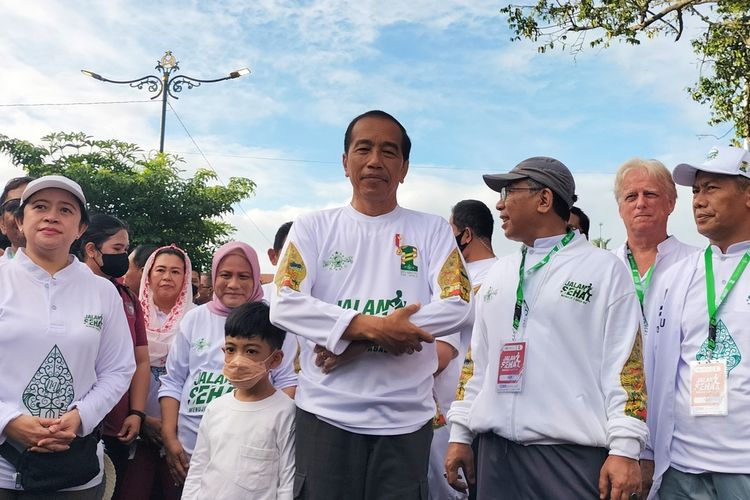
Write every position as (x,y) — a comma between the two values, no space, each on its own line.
(293,308)
(622,378)
(451,306)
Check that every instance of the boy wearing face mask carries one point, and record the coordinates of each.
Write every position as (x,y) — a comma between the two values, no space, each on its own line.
(245,446)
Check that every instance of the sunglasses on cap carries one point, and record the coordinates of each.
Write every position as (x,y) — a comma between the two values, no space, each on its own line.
(11,205)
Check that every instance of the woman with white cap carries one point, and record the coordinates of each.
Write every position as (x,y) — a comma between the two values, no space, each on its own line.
(66,357)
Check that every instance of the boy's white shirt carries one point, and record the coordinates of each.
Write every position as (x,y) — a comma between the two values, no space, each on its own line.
(195,365)
(244,450)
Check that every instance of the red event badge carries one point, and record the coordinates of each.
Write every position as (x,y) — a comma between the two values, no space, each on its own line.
(510,368)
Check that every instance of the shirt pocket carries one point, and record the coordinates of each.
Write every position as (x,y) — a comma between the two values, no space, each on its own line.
(257,469)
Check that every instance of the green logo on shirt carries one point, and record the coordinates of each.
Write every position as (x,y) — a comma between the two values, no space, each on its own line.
(577,291)
(337,261)
(490,294)
(726,348)
(207,386)
(374,307)
(94,321)
(200,345)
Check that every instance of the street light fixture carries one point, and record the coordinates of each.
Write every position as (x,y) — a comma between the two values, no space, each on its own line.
(167,85)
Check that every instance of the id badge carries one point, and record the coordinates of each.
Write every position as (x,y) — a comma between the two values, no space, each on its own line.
(708,388)
(511,367)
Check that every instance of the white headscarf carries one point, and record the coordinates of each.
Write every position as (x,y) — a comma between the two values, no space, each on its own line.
(160,337)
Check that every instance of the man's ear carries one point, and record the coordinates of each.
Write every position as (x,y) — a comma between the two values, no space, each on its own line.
(404,170)
(544,204)
(343,162)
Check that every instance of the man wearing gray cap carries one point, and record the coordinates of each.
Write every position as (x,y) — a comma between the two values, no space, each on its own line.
(698,419)
(557,397)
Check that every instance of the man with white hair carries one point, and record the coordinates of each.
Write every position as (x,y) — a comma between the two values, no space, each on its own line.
(699,402)
(646,196)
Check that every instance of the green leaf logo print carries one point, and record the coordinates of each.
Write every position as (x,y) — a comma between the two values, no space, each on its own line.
(50,391)
(725,348)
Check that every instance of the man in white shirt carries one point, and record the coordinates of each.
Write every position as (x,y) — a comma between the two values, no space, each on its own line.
(472,225)
(646,196)
(383,281)
(9,201)
(557,397)
(698,416)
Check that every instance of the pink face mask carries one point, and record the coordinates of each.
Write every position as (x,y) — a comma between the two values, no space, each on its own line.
(244,373)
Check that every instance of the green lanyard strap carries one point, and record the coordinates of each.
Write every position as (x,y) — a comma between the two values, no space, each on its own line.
(641,285)
(522,275)
(713,307)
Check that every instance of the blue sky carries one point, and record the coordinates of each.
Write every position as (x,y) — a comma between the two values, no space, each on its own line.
(472,101)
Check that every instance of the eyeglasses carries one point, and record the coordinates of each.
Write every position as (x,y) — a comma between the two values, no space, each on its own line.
(11,206)
(506,190)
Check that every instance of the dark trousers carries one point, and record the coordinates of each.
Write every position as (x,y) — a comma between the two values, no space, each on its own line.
(334,464)
(511,471)
(118,453)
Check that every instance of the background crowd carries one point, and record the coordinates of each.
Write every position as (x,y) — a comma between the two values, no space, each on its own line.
(392,355)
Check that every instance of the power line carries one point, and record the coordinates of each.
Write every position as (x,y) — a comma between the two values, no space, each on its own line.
(217,173)
(88,103)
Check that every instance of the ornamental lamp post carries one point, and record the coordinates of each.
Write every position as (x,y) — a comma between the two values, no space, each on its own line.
(167,85)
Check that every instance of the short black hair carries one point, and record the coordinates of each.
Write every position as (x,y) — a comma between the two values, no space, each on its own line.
(14,183)
(141,253)
(585,222)
(252,320)
(281,234)
(101,228)
(376,113)
(475,215)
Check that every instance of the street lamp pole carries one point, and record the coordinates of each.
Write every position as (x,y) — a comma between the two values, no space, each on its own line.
(168,85)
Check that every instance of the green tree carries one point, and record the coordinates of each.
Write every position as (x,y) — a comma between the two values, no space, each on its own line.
(149,193)
(723,45)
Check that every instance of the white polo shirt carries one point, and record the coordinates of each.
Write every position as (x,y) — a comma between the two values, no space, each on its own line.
(65,344)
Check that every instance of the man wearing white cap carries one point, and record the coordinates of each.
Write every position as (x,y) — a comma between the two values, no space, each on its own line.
(700,404)
(557,395)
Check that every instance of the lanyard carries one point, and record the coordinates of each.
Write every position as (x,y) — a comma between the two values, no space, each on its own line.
(522,276)
(713,307)
(641,285)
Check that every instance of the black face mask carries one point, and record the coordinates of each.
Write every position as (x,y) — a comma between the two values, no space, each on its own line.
(461,246)
(195,289)
(115,265)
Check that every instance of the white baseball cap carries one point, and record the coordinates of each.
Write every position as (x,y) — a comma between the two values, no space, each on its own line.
(53,181)
(726,160)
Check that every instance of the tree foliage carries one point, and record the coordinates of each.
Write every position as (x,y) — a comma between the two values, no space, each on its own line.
(149,193)
(723,45)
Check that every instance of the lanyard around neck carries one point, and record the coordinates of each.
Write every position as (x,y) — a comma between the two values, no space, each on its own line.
(641,285)
(536,267)
(713,307)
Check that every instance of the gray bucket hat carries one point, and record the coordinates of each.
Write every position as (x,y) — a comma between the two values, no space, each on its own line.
(542,169)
